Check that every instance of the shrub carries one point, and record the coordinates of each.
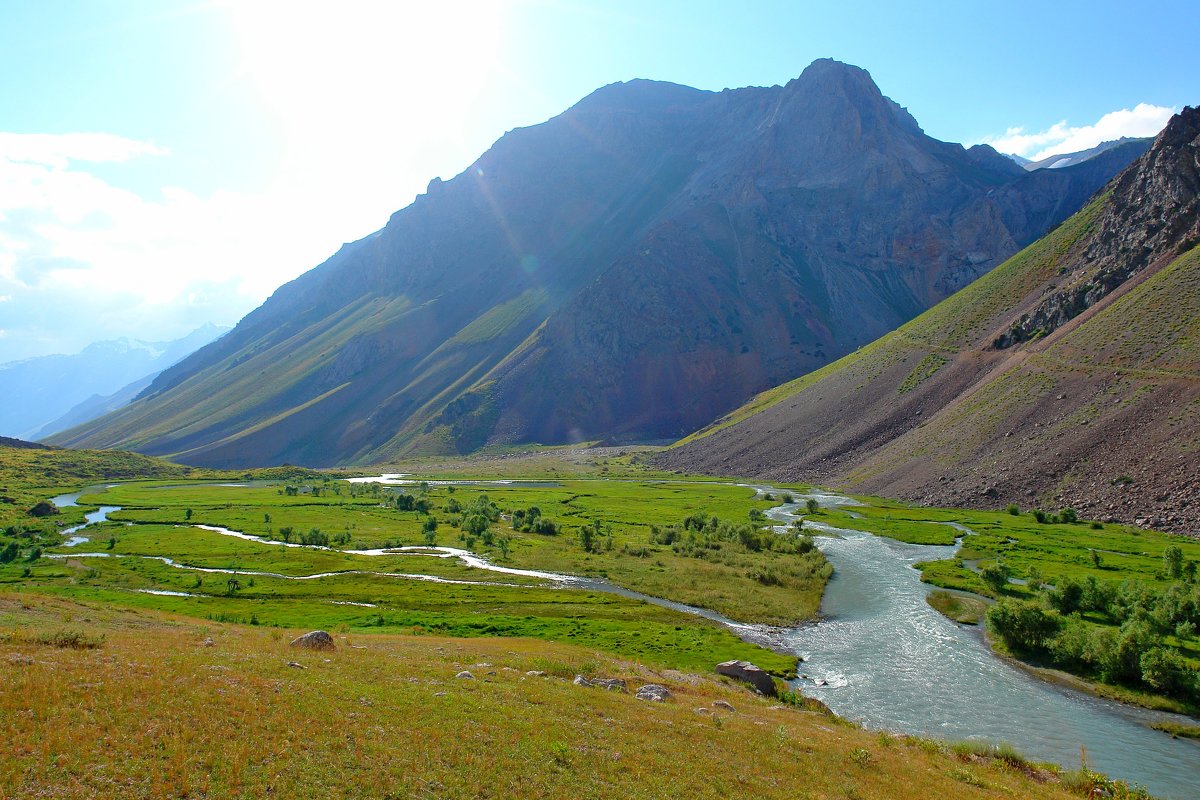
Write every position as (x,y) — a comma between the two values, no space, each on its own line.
(996,576)
(69,639)
(1022,625)
(1067,595)
(475,524)
(1013,509)
(315,537)
(1166,671)
(1173,562)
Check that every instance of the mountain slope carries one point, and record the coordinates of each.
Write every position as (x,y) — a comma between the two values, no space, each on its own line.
(1060,160)
(36,391)
(626,271)
(95,406)
(1070,375)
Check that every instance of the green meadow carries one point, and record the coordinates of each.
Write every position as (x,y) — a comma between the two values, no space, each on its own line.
(266,583)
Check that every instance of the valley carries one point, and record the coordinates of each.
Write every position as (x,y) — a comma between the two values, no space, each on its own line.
(746,436)
(326,552)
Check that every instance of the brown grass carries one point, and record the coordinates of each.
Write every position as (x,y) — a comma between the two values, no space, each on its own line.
(156,713)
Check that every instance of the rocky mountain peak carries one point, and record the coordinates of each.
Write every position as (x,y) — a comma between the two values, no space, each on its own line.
(1168,176)
(832,74)
(640,95)
(1153,214)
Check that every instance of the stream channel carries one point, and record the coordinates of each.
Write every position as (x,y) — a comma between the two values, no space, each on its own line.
(882,656)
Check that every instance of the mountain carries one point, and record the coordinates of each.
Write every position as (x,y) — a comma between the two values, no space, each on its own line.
(38,391)
(20,444)
(626,271)
(1060,160)
(1070,375)
(96,406)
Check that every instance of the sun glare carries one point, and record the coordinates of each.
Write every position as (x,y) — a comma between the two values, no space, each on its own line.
(379,62)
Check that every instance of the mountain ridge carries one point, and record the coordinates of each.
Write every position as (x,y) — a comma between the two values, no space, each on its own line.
(625,271)
(1067,376)
(39,390)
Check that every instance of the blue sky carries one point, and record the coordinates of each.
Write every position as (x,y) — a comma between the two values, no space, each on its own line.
(221,148)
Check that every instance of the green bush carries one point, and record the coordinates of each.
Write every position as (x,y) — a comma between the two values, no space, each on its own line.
(1023,626)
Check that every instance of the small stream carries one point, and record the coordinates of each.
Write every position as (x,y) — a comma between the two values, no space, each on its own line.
(880,654)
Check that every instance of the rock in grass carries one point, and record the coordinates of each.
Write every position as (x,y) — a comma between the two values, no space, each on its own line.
(536,673)
(723,705)
(465,675)
(748,673)
(612,684)
(582,681)
(654,692)
(316,640)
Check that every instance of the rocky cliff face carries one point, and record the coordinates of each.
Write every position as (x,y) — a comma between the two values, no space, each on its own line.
(1154,215)
(626,271)
(1098,409)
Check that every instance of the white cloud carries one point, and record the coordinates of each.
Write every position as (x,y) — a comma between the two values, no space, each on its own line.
(370,101)
(59,149)
(83,260)
(1142,120)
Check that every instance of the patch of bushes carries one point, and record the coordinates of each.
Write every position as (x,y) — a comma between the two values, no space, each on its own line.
(67,639)
(1137,644)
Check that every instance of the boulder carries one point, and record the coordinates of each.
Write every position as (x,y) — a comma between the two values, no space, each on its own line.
(316,640)
(654,692)
(612,684)
(748,673)
(582,681)
(44,509)
(723,705)
(536,673)
(465,675)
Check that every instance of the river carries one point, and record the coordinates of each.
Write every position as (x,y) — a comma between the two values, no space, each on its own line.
(890,661)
